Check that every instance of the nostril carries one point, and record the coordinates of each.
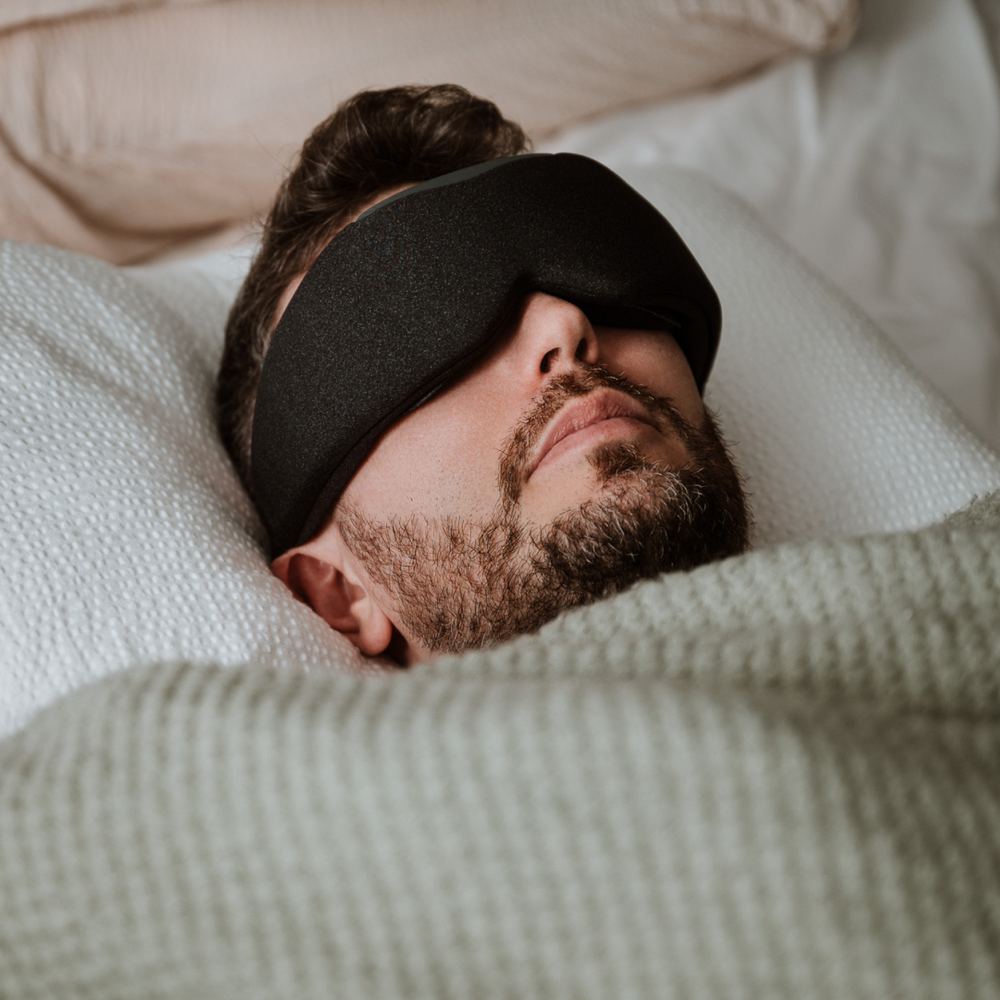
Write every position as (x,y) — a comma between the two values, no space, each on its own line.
(547,360)
(581,349)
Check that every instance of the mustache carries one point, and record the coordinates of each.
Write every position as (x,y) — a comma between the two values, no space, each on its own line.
(518,449)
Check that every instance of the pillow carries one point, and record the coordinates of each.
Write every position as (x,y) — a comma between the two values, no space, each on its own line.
(17,12)
(127,538)
(837,433)
(129,133)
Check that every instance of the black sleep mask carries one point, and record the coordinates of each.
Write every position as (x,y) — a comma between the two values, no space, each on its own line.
(413,292)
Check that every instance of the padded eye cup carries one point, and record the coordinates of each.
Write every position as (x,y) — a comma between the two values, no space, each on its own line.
(413,292)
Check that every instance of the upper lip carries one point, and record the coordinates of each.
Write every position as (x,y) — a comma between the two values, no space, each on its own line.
(582,411)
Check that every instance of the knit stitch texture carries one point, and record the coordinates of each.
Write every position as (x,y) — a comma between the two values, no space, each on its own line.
(773,777)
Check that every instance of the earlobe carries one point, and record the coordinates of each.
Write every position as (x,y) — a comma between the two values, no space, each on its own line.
(339,598)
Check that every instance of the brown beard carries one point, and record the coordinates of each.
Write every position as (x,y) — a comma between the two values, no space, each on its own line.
(463,584)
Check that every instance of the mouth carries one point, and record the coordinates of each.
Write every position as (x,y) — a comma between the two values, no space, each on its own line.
(587,420)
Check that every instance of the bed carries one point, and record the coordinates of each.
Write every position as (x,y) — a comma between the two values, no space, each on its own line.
(776,776)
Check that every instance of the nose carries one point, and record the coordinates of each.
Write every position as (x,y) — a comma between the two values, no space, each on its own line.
(552,336)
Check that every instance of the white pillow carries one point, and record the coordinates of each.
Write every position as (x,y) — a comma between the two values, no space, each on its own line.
(126,535)
(127,538)
(837,432)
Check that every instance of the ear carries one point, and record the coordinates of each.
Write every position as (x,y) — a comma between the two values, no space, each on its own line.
(323,574)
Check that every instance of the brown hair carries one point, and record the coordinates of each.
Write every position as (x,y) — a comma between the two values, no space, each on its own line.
(374,141)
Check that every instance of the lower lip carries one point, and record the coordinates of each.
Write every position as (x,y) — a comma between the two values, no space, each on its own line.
(590,436)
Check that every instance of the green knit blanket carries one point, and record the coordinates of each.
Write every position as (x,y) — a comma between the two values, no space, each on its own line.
(774,777)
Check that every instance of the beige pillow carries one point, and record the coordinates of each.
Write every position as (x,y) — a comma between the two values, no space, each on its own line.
(131,132)
(14,13)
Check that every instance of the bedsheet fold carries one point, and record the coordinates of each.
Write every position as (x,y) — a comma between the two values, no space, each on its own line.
(777,776)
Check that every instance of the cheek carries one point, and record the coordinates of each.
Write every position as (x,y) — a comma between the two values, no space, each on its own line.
(656,361)
(438,461)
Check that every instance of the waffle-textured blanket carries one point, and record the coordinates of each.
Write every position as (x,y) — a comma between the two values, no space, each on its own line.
(774,777)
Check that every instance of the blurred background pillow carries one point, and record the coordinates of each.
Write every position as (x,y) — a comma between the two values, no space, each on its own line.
(131,131)
(15,13)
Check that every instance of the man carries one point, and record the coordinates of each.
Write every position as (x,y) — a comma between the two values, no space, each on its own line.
(566,457)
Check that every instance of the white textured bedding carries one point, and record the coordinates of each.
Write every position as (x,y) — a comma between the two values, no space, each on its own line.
(880,165)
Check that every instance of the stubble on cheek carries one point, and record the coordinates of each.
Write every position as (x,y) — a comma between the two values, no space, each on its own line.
(457,584)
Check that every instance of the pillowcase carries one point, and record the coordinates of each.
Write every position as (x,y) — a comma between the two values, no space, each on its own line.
(129,133)
(126,537)
(836,432)
(17,12)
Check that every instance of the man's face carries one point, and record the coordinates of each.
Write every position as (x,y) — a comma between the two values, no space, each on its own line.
(568,463)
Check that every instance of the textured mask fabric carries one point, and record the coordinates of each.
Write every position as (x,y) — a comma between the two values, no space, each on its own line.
(416,289)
